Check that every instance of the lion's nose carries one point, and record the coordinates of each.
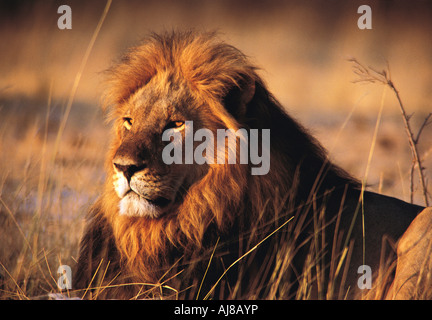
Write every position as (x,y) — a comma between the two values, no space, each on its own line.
(128,170)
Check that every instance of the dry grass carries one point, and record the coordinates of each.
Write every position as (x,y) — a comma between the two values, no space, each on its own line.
(44,193)
(46,187)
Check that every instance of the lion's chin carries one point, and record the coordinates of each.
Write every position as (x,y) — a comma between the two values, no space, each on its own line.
(133,205)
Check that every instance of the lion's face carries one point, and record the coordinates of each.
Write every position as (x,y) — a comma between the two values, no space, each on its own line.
(146,186)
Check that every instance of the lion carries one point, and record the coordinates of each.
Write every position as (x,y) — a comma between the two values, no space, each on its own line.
(215,230)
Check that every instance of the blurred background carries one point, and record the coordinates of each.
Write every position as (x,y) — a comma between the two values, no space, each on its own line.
(50,176)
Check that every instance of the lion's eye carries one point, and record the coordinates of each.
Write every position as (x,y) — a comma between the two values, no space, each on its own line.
(127,123)
(175,125)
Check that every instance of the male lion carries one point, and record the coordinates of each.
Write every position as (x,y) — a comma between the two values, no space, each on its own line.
(215,230)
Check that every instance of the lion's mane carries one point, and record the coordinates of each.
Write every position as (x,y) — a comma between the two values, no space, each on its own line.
(228,200)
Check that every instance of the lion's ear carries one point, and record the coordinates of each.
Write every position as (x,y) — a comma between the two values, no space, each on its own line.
(238,97)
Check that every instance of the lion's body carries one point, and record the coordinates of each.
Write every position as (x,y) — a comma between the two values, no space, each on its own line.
(187,209)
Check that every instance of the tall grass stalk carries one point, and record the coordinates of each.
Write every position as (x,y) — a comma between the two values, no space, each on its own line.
(78,77)
(371,75)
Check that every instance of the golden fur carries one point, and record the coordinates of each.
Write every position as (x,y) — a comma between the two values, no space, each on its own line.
(414,262)
(213,84)
(188,57)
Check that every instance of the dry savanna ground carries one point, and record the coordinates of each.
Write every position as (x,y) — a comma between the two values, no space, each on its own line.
(52,147)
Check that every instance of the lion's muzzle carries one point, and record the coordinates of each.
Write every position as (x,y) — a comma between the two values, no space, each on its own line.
(142,191)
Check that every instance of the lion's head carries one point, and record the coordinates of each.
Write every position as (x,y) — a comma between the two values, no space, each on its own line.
(162,86)
(146,185)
